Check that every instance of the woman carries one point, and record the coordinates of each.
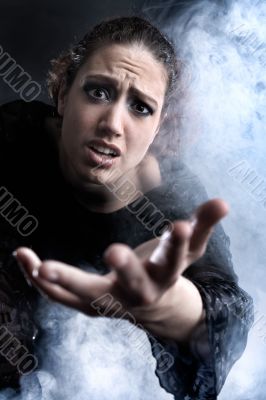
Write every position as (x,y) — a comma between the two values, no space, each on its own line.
(101,183)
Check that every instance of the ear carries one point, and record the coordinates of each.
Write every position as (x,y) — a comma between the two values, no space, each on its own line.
(62,99)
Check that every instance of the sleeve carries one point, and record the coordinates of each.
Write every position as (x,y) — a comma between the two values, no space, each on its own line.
(199,370)
(12,116)
(17,329)
(21,124)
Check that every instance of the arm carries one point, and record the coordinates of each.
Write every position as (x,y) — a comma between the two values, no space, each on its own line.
(203,363)
(17,328)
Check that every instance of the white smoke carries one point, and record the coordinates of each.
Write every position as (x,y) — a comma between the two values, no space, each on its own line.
(224,47)
(90,358)
(223,134)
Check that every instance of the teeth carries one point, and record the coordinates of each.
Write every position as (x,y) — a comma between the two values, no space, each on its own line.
(104,150)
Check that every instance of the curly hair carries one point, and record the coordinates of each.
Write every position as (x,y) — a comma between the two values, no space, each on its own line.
(125,31)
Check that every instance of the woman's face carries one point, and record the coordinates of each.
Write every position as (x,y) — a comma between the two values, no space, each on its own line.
(111,114)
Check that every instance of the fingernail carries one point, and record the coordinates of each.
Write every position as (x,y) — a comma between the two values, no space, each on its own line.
(193,221)
(159,254)
(35,272)
(14,254)
(165,235)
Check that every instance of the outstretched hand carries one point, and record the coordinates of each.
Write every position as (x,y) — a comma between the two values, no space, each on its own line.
(146,281)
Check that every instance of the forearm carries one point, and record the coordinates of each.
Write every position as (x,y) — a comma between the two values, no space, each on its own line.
(178,313)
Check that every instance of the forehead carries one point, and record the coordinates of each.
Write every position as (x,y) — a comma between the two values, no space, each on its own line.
(130,65)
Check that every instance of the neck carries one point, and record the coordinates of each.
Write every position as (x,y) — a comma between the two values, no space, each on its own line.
(123,191)
(98,200)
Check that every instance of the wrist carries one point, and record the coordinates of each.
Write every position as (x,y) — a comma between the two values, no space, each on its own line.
(177,314)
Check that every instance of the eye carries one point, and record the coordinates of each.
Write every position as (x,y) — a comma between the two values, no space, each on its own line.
(142,109)
(97,93)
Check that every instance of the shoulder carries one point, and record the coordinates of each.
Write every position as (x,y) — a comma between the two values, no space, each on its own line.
(23,129)
(21,109)
(21,115)
(181,191)
(24,141)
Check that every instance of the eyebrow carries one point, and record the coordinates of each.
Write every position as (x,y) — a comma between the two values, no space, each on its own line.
(113,81)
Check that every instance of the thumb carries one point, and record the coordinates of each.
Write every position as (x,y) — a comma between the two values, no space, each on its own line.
(28,260)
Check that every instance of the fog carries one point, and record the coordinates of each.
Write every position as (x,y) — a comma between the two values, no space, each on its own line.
(223,48)
(84,357)
(223,45)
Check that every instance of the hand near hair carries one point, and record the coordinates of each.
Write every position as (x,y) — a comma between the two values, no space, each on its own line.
(147,282)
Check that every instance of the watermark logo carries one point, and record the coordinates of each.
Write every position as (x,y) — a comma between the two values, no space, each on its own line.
(17,215)
(17,78)
(252,182)
(138,204)
(16,353)
(250,42)
(107,306)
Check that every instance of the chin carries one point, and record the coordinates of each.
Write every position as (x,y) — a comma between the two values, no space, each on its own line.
(91,180)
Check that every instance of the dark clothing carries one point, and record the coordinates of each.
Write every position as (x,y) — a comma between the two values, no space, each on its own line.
(68,232)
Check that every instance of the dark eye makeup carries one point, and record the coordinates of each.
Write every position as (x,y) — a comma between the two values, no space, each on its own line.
(97,92)
(141,108)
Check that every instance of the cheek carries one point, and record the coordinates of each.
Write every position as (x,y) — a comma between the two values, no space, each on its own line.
(147,135)
(77,126)
(138,144)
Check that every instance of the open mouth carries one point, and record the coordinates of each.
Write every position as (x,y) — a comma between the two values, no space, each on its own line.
(105,151)
(102,154)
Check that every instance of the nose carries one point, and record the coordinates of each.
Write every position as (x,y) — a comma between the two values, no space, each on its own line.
(112,120)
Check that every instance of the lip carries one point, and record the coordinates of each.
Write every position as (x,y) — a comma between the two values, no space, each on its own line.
(96,159)
(110,146)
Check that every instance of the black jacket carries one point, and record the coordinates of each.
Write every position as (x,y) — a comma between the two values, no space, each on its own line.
(57,227)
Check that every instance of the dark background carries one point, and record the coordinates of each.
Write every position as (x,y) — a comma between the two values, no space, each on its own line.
(33,32)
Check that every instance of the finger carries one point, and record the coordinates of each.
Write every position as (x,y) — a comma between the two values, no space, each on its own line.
(83,284)
(169,257)
(206,216)
(78,282)
(28,260)
(61,295)
(31,263)
(131,274)
(146,248)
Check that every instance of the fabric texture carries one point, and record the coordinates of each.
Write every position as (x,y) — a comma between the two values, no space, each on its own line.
(66,231)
